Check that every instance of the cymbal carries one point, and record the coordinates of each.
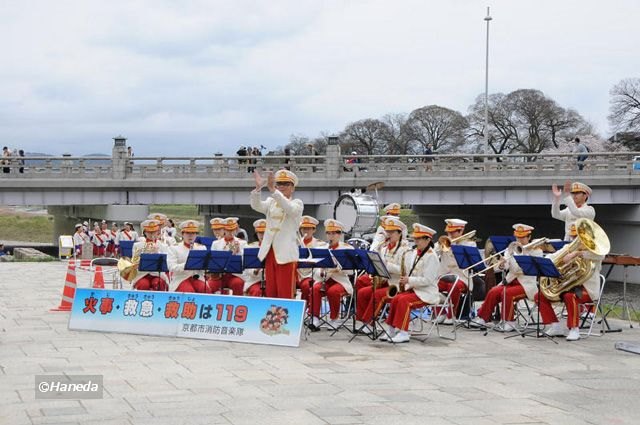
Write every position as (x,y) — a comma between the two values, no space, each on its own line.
(375,186)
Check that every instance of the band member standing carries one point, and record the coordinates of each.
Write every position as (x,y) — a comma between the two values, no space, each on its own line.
(113,235)
(453,279)
(418,284)
(80,238)
(333,283)
(307,229)
(127,234)
(576,196)
(253,277)
(99,241)
(518,286)
(217,227)
(279,249)
(391,254)
(589,291)
(186,280)
(150,244)
(236,245)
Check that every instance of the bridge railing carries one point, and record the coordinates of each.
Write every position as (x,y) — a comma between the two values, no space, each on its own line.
(323,166)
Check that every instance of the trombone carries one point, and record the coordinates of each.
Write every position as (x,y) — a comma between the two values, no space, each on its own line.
(445,242)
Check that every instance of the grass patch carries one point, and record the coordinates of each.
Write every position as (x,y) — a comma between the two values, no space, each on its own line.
(177,213)
(26,228)
(617,312)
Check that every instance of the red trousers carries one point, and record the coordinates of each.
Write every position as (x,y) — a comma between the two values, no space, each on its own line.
(400,309)
(151,283)
(456,289)
(98,251)
(193,285)
(363,281)
(227,281)
(280,278)
(512,293)
(570,299)
(364,303)
(254,290)
(305,288)
(334,293)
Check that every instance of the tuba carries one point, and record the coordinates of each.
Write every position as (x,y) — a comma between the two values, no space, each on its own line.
(579,270)
(128,268)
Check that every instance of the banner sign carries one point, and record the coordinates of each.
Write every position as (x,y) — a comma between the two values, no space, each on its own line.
(255,320)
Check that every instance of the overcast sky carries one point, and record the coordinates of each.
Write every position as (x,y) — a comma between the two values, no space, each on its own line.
(186,78)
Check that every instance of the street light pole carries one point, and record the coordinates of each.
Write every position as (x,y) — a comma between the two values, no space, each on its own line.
(486,90)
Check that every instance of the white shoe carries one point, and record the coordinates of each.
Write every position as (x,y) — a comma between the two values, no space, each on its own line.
(441,319)
(556,329)
(335,324)
(391,332)
(366,330)
(316,322)
(505,327)
(478,322)
(448,321)
(402,336)
(574,334)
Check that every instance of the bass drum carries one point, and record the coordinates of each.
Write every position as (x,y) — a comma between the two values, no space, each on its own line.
(358,213)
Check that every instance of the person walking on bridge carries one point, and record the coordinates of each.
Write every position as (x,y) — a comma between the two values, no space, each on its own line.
(279,248)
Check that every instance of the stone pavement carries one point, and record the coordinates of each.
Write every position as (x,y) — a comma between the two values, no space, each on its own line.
(151,380)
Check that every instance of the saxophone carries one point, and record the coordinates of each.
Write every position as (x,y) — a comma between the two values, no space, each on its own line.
(395,290)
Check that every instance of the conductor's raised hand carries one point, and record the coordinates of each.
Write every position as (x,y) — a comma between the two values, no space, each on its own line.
(567,187)
(259,180)
(556,190)
(271,182)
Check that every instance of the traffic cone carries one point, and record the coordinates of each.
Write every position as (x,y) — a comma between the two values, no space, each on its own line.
(98,278)
(69,289)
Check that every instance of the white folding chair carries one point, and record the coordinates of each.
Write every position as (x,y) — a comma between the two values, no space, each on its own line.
(598,314)
(437,311)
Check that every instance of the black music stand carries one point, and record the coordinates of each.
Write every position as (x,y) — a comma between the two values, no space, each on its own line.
(469,259)
(250,260)
(313,258)
(370,262)
(539,267)
(154,263)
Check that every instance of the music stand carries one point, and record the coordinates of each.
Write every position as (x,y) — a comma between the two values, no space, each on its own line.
(371,262)
(539,267)
(207,241)
(153,263)
(312,258)
(468,258)
(198,259)
(126,248)
(250,260)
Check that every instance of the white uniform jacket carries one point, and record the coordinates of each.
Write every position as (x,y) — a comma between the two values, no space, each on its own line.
(251,276)
(337,274)
(392,258)
(176,260)
(126,235)
(315,243)
(283,220)
(158,248)
(449,266)
(224,245)
(515,272)
(423,275)
(570,214)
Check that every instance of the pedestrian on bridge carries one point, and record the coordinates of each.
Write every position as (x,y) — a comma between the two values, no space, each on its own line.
(279,249)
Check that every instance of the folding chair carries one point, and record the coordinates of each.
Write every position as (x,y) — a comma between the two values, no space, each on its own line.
(597,309)
(437,311)
(109,271)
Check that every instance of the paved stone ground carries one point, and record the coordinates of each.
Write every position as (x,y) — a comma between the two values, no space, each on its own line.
(475,380)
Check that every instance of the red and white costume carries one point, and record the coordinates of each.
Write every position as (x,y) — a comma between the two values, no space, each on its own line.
(185,280)
(150,281)
(570,214)
(100,241)
(236,246)
(279,248)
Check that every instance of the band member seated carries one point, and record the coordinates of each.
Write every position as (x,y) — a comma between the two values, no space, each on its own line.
(280,248)
(150,244)
(223,281)
(217,227)
(453,280)
(575,198)
(418,284)
(307,230)
(253,277)
(588,292)
(332,283)
(165,236)
(518,285)
(186,280)
(380,237)
(391,253)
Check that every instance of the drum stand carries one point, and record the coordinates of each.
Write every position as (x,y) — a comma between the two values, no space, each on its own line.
(627,306)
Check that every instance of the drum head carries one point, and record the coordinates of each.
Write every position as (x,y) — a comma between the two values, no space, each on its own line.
(358,213)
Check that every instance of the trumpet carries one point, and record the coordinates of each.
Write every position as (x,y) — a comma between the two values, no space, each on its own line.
(445,242)
(543,243)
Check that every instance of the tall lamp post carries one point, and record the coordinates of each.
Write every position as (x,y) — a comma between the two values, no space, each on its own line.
(486,89)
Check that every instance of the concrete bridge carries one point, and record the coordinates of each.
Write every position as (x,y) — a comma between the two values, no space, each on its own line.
(489,191)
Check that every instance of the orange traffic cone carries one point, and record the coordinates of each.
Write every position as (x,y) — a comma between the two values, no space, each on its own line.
(98,278)
(69,289)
